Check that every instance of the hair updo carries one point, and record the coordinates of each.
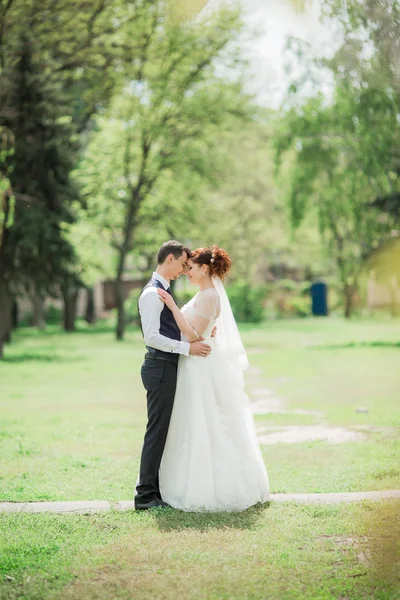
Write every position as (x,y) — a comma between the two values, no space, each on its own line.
(216,258)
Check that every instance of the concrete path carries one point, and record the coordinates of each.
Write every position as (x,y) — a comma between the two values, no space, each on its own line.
(79,506)
(102,505)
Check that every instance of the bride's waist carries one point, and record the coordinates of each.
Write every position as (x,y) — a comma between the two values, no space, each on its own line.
(205,339)
(210,342)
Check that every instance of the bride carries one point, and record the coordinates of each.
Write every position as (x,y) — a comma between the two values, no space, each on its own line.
(212,460)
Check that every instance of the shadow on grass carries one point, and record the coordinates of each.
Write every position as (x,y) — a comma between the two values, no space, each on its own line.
(376,344)
(169,520)
(106,328)
(81,328)
(40,357)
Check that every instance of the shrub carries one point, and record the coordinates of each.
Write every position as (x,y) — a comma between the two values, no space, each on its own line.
(26,320)
(54,315)
(286,285)
(289,298)
(299,306)
(247,301)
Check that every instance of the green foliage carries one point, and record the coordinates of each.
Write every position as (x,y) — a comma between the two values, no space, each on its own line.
(164,146)
(286,285)
(131,305)
(7,200)
(53,315)
(182,297)
(41,163)
(287,299)
(368,59)
(152,151)
(299,306)
(370,34)
(343,155)
(247,301)
(245,212)
(57,67)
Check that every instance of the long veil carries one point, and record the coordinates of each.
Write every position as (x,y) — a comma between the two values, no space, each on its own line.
(228,336)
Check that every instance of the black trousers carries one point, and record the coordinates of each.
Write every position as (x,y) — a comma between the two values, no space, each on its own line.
(159,380)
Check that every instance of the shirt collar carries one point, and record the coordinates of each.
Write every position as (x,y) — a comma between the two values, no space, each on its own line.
(161,279)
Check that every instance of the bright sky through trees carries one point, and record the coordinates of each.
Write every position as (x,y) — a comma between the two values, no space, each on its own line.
(273,21)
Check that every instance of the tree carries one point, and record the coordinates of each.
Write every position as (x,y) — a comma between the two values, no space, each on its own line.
(335,173)
(371,34)
(41,166)
(164,123)
(6,216)
(62,61)
(345,148)
(247,214)
(369,56)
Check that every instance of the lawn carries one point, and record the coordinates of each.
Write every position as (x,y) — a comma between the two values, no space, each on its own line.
(73,416)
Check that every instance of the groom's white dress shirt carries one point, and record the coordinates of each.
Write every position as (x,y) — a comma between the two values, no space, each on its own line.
(151,307)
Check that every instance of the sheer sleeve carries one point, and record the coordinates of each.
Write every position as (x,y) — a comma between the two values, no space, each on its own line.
(206,308)
(207,305)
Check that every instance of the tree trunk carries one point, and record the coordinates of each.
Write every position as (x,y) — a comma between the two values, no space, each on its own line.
(129,227)
(38,311)
(349,291)
(15,314)
(70,296)
(90,315)
(143,187)
(119,299)
(5,316)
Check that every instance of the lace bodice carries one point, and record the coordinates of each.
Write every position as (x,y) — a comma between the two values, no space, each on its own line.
(205,305)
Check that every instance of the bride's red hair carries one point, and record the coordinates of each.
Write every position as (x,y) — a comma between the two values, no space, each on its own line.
(216,258)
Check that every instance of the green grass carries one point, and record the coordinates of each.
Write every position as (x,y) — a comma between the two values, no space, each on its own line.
(73,409)
(72,421)
(333,367)
(291,551)
(74,415)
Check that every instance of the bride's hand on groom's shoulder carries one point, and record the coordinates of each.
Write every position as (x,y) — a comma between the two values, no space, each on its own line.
(166,298)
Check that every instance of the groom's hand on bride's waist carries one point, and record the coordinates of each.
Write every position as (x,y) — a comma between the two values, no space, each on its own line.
(198,348)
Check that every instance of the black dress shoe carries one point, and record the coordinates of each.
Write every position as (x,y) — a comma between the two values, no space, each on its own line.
(157,503)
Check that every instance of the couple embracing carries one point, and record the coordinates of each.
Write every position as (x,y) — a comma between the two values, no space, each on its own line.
(200,450)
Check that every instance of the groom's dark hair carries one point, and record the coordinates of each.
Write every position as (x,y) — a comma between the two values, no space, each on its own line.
(171,247)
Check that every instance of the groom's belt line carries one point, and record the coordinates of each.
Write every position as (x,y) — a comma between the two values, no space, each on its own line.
(170,357)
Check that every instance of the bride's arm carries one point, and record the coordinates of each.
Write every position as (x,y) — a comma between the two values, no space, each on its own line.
(184,325)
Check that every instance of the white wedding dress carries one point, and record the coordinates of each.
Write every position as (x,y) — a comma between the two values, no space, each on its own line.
(212,460)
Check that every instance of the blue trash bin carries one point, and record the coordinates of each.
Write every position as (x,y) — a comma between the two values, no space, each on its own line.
(319,298)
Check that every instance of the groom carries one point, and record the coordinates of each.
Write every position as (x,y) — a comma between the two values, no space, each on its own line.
(159,370)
